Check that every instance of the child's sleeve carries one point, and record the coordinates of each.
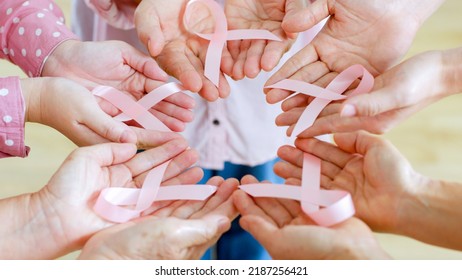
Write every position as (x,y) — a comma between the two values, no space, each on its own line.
(30,31)
(118,16)
(12,112)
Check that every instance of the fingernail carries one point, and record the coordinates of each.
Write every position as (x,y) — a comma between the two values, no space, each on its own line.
(348,111)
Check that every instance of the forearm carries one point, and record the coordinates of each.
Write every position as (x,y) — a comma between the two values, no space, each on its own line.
(27,229)
(432,214)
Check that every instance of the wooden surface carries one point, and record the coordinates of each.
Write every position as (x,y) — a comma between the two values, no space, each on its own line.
(429,139)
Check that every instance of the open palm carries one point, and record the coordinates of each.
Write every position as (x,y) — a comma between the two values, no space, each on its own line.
(179,51)
(378,177)
(251,56)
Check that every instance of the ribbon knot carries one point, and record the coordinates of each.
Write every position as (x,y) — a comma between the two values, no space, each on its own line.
(219,37)
(118,204)
(337,204)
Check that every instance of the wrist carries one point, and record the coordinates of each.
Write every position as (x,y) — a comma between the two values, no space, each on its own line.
(31,90)
(58,61)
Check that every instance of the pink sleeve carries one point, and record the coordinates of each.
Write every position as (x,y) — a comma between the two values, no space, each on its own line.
(118,16)
(30,31)
(12,112)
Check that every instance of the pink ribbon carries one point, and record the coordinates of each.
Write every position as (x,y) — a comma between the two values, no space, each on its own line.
(118,204)
(220,36)
(337,205)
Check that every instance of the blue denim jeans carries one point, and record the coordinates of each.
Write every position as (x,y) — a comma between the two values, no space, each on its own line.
(237,244)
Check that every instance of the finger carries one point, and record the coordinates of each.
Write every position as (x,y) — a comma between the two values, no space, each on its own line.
(262,230)
(182,100)
(290,117)
(186,209)
(152,138)
(223,194)
(105,154)
(297,20)
(175,60)
(254,56)
(142,63)
(190,233)
(246,206)
(372,104)
(106,126)
(227,62)
(180,163)
(273,53)
(151,158)
(149,28)
(325,151)
(307,57)
(358,142)
(238,69)
(172,123)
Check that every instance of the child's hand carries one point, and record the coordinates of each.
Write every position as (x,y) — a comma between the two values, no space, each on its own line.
(72,110)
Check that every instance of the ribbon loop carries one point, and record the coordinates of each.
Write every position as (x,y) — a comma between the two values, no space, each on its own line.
(120,205)
(220,36)
(337,205)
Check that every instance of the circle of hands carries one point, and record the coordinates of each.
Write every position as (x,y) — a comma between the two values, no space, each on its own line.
(354,164)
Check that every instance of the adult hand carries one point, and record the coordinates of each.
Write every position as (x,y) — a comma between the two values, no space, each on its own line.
(380,180)
(252,56)
(349,37)
(119,65)
(70,194)
(287,233)
(153,238)
(397,94)
(179,52)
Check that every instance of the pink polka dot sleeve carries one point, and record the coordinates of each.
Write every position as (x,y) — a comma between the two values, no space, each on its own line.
(12,112)
(30,31)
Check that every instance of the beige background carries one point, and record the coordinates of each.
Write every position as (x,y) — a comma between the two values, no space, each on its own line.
(429,139)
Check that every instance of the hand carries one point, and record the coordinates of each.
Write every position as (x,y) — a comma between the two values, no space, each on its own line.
(349,37)
(70,194)
(380,180)
(153,238)
(251,56)
(175,229)
(121,66)
(397,94)
(287,233)
(159,24)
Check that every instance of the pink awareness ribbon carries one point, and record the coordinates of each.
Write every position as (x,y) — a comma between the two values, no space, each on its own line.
(219,37)
(119,204)
(337,205)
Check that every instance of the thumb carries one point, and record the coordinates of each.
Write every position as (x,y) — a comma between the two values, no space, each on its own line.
(198,232)
(371,104)
(149,28)
(143,63)
(299,19)
(262,230)
(108,128)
